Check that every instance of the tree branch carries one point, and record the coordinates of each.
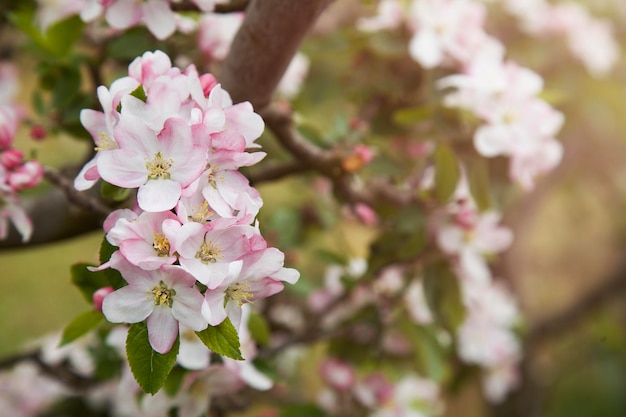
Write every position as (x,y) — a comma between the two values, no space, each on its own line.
(262,49)
(561,322)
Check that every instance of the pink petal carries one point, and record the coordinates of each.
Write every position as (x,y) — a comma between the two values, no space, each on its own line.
(186,308)
(127,305)
(159,18)
(159,195)
(213,307)
(162,329)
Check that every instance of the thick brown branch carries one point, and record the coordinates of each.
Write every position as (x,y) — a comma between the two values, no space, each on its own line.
(267,41)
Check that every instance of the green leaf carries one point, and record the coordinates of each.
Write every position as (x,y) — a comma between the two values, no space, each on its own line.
(106,250)
(478,178)
(139,93)
(80,326)
(411,115)
(222,339)
(302,410)
(174,381)
(447,173)
(88,282)
(113,192)
(130,44)
(259,329)
(150,368)
(432,358)
(61,36)
(113,277)
(66,86)
(443,295)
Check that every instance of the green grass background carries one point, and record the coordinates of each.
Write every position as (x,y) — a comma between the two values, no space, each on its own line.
(37,296)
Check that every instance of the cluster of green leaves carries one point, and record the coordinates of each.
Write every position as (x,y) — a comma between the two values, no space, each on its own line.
(59,96)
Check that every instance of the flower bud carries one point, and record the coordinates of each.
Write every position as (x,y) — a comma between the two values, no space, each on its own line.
(11,158)
(98,297)
(38,132)
(26,176)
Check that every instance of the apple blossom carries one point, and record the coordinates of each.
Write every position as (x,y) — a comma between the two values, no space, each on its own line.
(160,165)
(259,274)
(144,240)
(172,298)
(445,30)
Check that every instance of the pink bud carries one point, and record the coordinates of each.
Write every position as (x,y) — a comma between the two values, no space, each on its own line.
(26,176)
(208,81)
(366,214)
(38,132)
(338,374)
(98,297)
(364,152)
(11,158)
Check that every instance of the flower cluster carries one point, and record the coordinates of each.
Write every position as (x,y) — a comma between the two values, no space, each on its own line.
(156,15)
(16,173)
(517,123)
(590,39)
(486,337)
(376,394)
(178,139)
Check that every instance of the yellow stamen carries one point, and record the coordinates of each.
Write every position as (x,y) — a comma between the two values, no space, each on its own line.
(161,244)
(240,293)
(209,253)
(163,295)
(159,168)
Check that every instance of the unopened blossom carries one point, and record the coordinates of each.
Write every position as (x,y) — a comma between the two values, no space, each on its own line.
(27,175)
(164,298)
(161,166)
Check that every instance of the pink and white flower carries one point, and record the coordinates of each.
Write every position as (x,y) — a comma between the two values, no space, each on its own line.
(161,166)
(172,299)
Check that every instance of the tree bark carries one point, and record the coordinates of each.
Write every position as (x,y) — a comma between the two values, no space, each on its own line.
(264,46)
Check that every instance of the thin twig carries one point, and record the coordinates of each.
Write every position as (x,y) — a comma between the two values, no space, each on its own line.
(73,195)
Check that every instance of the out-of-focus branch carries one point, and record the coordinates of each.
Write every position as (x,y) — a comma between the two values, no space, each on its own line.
(60,213)
(262,49)
(328,163)
(608,289)
(60,373)
(74,196)
(276,172)
(231,7)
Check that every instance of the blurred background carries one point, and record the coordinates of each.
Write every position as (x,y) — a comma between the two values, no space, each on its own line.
(567,264)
